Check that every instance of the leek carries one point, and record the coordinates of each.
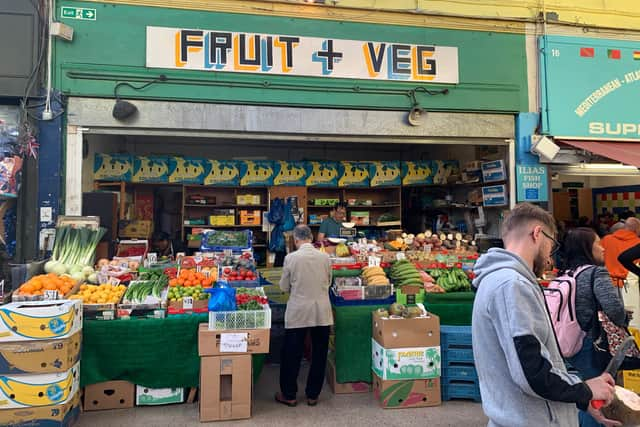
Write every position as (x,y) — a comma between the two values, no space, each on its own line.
(76,246)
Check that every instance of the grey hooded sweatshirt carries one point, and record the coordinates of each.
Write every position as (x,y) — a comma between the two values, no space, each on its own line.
(523,379)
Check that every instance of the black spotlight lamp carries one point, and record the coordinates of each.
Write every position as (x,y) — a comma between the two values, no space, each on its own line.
(124,110)
(417,114)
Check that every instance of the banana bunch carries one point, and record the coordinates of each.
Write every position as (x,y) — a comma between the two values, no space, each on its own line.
(342,250)
(374,276)
(404,273)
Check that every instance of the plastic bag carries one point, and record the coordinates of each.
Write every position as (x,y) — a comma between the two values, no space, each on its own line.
(222,299)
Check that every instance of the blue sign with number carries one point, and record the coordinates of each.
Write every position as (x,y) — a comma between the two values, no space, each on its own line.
(532,183)
(590,88)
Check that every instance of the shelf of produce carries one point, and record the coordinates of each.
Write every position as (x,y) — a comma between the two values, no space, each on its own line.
(220,226)
(395,224)
(198,205)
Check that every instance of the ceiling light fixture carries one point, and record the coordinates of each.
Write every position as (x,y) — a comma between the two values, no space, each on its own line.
(598,169)
(124,110)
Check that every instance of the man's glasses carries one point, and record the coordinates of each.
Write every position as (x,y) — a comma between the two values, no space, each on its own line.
(556,244)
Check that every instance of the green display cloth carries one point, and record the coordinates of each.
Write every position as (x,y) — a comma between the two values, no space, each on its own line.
(353,331)
(155,353)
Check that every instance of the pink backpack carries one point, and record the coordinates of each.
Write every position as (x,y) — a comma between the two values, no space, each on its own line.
(560,296)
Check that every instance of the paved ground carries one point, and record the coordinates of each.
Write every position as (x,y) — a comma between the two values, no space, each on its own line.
(333,410)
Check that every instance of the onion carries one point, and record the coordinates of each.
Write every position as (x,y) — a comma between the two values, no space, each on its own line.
(93,278)
(77,276)
(75,269)
(87,271)
(50,265)
(59,269)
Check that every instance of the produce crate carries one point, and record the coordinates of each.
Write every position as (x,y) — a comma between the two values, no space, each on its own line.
(100,311)
(459,371)
(47,297)
(219,240)
(346,270)
(148,311)
(456,354)
(350,292)
(241,319)
(378,292)
(460,389)
(244,283)
(338,301)
(403,299)
(455,335)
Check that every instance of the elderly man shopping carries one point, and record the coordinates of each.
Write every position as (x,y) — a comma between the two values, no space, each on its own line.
(306,275)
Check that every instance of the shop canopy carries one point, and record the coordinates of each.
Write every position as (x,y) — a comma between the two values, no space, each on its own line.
(623,152)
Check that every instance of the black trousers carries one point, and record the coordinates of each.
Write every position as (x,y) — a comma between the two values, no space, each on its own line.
(291,357)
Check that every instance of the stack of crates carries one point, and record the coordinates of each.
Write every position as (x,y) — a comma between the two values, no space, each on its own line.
(459,376)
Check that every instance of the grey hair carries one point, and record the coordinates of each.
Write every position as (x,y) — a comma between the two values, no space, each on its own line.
(302,232)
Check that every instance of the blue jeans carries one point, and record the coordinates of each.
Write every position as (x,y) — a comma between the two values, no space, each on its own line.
(586,363)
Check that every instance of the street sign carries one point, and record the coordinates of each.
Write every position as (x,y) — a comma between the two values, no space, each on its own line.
(82,13)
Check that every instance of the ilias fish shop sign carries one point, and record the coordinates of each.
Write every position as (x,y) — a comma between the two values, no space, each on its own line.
(213,50)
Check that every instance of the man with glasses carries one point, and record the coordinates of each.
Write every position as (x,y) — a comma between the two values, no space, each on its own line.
(523,378)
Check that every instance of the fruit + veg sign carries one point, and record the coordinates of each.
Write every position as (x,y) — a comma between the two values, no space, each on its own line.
(215,50)
(591,88)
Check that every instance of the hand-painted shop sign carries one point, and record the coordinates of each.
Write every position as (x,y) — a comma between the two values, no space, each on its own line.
(591,88)
(532,183)
(213,50)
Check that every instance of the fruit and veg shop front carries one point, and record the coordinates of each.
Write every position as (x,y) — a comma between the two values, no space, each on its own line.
(136,310)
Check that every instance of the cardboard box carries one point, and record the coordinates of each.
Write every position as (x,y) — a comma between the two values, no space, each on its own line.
(39,357)
(404,333)
(135,229)
(150,169)
(140,311)
(197,306)
(322,174)
(407,394)
(109,395)
(27,390)
(252,217)
(209,341)
(248,199)
(146,396)
(222,220)
(411,363)
(186,170)
(417,172)
(344,388)
(112,167)
(40,320)
(494,171)
(143,204)
(443,169)
(225,388)
(495,195)
(256,173)
(360,217)
(353,174)
(385,174)
(290,173)
(631,380)
(63,415)
(222,173)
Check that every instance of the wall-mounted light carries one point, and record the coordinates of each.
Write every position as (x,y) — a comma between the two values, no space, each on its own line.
(417,114)
(544,146)
(598,169)
(124,110)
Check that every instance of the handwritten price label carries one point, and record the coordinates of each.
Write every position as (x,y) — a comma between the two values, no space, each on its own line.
(187,303)
(50,295)
(374,261)
(234,343)
(400,256)
(113,281)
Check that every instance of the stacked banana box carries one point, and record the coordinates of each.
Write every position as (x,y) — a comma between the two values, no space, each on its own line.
(406,360)
(40,344)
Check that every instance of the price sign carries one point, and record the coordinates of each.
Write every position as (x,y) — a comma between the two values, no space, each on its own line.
(152,257)
(374,261)
(187,303)
(233,343)
(179,256)
(228,252)
(198,259)
(114,281)
(124,264)
(427,248)
(400,256)
(206,273)
(49,295)
(102,277)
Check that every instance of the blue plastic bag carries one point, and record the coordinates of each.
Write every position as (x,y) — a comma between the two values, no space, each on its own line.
(222,299)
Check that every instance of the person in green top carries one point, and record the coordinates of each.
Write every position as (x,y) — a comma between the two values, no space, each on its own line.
(330,227)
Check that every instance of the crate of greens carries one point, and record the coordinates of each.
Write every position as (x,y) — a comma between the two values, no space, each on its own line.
(252,312)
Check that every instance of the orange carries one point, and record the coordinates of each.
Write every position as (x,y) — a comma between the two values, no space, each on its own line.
(187,283)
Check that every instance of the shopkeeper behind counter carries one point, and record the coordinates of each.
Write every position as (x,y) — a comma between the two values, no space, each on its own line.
(331,226)
(163,246)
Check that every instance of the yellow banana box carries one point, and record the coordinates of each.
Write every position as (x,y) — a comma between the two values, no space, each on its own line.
(40,320)
(40,357)
(63,415)
(28,390)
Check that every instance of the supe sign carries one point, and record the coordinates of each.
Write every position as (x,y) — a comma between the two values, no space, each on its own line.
(216,50)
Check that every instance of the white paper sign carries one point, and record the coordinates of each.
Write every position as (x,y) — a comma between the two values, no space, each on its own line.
(49,295)
(113,281)
(374,261)
(187,303)
(233,343)
(152,257)
(228,252)
(400,256)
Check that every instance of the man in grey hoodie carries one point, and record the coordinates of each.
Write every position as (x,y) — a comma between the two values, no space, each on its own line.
(523,379)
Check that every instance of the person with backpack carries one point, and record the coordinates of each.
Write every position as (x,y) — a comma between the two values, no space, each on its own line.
(594,291)
(523,379)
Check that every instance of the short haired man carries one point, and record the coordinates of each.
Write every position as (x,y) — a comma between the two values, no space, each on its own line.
(523,378)
(331,226)
(306,275)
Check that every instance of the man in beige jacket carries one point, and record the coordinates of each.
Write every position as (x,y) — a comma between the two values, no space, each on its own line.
(306,275)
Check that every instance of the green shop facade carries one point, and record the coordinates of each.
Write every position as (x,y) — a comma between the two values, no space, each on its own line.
(152,81)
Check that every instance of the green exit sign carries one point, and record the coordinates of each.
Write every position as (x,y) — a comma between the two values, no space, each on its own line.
(78,13)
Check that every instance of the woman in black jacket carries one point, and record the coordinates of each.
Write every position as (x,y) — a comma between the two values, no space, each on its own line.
(595,292)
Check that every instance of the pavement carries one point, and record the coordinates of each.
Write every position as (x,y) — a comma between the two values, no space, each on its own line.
(332,410)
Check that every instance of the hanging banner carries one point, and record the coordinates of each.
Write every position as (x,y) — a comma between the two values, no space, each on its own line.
(214,50)
(532,183)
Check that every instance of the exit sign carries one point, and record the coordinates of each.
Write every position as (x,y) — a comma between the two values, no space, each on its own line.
(78,13)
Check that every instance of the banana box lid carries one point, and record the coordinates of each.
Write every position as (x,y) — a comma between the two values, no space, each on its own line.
(40,320)
(63,415)
(29,390)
